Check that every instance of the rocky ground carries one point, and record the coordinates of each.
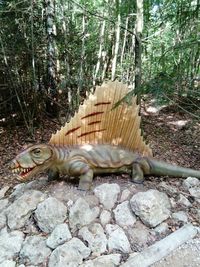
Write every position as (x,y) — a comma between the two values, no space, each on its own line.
(53,224)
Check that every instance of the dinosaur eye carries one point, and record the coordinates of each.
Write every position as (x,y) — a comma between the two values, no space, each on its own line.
(37,151)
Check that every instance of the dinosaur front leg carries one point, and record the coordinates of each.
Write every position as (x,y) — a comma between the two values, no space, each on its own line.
(85,173)
(52,175)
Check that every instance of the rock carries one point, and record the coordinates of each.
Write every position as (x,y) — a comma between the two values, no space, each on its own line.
(107,194)
(70,254)
(10,244)
(105,217)
(3,191)
(125,195)
(50,213)
(139,236)
(3,204)
(117,239)
(152,206)
(59,236)
(162,228)
(2,220)
(191,182)
(20,210)
(198,215)
(111,260)
(173,203)
(34,250)
(21,188)
(170,190)
(81,214)
(8,263)
(124,215)
(92,200)
(95,237)
(180,216)
(195,192)
(184,201)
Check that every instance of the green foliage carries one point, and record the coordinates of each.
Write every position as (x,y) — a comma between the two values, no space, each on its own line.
(170,58)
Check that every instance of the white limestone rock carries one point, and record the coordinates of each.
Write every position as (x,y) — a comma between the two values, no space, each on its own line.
(50,213)
(152,207)
(180,216)
(124,215)
(139,236)
(162,228)
(117,239)
(20,210)
(195,192)
(125,195)
(81,214)
(112,260)
(3,204)
(169,189)
(2,220)
(184,201)
(70,254)
(34,250)
(95,237)
(107,194)
(3,191)
(59,236)
(8,263)
(191,182)
(21,188)
(10,244)
(105,217)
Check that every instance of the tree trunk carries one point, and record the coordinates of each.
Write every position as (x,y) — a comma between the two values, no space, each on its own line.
(117,40)
(51,105)
(138,49)
(101,41)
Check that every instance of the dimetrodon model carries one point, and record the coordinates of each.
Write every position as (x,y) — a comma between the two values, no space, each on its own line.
(102,137)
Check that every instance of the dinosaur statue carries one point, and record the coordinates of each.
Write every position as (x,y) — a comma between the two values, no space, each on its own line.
(102,137)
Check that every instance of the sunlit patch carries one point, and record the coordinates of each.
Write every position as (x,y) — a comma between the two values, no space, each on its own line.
(178,123)
(117,141)
(87,147)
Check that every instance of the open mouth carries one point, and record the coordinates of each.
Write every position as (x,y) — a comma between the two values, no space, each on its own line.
(22,172)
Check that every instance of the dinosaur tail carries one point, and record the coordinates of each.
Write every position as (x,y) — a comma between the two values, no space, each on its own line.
(162,168)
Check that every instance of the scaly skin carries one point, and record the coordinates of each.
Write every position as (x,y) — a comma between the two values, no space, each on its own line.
(86,160)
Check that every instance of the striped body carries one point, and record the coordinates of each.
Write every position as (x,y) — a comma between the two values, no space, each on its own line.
(100,158)
(86,160)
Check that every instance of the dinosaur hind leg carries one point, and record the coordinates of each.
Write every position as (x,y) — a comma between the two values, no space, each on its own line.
(137,173)
(139,168)
(85,182)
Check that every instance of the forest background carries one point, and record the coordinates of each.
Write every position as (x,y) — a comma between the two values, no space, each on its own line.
(53,52)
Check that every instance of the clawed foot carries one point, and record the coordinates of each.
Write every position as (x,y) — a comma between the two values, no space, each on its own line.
(84,186)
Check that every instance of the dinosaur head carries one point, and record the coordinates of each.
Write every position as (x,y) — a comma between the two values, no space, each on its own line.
(31,161)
